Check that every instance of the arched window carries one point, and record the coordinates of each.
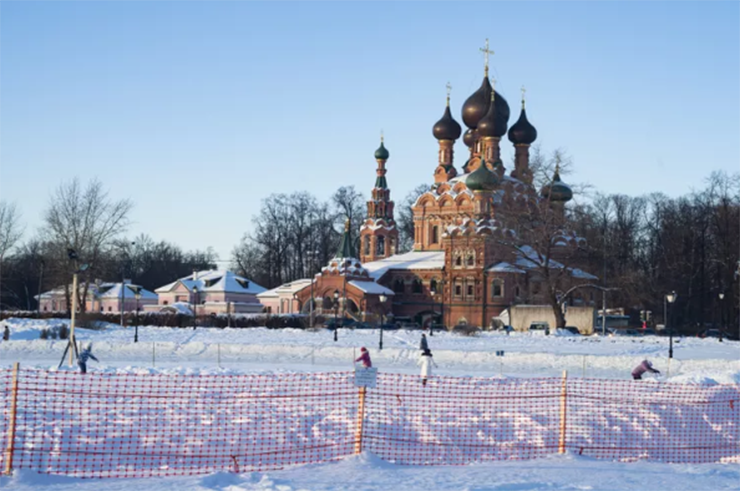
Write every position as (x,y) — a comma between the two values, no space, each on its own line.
(380,245)
(458,288)
(471,291)
(398,286)
(433,287)
(471,260)
(497,288)
(434,235)
(416,286)
(458,261)
(367,244)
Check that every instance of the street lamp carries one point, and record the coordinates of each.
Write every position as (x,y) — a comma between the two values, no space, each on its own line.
(137,295)
(382,299)
(195,307)
(670,298)
(721,297)
(72,254)
(336,312)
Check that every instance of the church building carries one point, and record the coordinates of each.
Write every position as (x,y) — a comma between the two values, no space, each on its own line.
(470,259)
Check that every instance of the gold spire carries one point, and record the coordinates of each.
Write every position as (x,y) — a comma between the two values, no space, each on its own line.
(486,52)
(449,89)
(523,91)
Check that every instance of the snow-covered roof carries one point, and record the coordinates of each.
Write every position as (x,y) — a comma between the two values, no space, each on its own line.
(292,287)
(178,307)
(345,265)
(528,258)
(371,287)
(115,291)
(504,267)
(215,281)
(408,261)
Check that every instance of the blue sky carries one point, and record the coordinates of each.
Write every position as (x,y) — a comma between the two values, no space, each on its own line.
(197,111)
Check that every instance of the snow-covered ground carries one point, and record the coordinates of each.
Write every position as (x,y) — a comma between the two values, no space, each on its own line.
(164,350)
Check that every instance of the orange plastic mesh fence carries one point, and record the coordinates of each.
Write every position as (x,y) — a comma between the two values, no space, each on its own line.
(128,425)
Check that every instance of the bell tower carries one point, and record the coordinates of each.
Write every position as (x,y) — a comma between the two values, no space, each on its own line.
(379,234)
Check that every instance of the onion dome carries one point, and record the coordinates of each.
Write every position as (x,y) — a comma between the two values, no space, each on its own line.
(382,153)
(469,138)
(557,191)
(491,124)
(522,132)
(477,105)
(447,128)
(482,179)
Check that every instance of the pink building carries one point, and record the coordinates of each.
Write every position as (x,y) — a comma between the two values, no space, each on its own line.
(101,297)
(282,300)
(214,292)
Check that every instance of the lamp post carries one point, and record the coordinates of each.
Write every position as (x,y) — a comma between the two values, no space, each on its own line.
(72,254)
(195,307)
(137,295)
(721,297)
(669,298)
(336,313)
(382,299)
(123,280)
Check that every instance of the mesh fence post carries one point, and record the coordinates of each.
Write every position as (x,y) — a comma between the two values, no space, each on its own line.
(360,421)
(563,407)
(11,426)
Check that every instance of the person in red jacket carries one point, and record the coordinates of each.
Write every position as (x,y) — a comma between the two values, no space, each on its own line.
(364,358)
(643,367)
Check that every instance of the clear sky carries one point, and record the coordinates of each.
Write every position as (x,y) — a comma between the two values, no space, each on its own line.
(197,111)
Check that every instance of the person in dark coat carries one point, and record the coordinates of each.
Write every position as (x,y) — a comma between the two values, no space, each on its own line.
(643,367)
(423,345)
(364,358)
(6,333)
(84,356)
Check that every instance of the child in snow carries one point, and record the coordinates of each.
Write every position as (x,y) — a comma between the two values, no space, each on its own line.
(364,358)
(425,362)
(643,367)
(423,346)
(82,360)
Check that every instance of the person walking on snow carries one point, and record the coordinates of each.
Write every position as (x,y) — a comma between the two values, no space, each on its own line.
(82,360)
(423,346)
(364,358)
(643,367)
(425,362)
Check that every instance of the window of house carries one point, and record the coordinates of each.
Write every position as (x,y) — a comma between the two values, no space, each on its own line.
(380,245)
(398,286)
(516,291)
(435,235)
(45,308)
(367,244)
(166,302)
(416,286)
(110,309)
(470,290)
(535,288)
(497,288)
(269,310)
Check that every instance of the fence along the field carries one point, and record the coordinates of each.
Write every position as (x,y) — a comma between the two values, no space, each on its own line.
(125,425)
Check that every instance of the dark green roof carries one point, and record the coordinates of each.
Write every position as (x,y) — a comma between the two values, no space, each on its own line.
(345,245)
(382,153)
(381,183)
(482,179)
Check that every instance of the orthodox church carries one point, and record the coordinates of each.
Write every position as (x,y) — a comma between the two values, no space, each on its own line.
(462,269)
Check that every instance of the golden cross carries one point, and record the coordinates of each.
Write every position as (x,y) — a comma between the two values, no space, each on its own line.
(523,91)
(381,136)
(486,52)
(449,89)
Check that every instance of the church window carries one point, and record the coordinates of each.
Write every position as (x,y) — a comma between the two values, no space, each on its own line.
(416,286)
(458,290)
(516,291)
(458,261)
(435,235)
(471,260)
(367,244)
(497,288)
(380,245)
(470,290)
(433,287)
(398,286)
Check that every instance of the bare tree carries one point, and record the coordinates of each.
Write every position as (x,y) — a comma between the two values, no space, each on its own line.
(405,217)
(349,204)
(87,220)
(11,232)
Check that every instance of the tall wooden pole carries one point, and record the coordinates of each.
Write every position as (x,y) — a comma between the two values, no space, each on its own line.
(563,414)
(72,320)
(11,426)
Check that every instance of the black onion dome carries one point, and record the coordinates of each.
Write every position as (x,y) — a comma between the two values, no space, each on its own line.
(491,124)
(557,190)
(482,179)
(447,128)
(522,132)
(469,138)
(382,153)
(477,105)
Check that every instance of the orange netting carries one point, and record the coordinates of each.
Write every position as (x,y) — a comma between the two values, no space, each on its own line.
(126,425)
